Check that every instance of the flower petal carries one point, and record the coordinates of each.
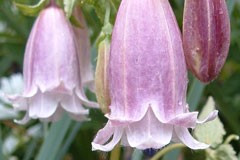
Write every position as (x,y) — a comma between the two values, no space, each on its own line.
(104,135)
(72,104)
(84,99)
(149,132)
(187,120)
(25,119)
(210,117)
(84,53)
(43,105)
(80,117)
(55,117)
(185,137)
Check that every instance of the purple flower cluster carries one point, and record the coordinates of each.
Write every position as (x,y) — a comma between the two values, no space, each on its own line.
(141,75)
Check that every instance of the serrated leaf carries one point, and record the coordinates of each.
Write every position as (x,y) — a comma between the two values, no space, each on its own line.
(68,7)
(211,132)
(223,152)
(31,10)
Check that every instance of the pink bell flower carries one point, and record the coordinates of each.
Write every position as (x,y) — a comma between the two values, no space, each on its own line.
(147,81)
(83,47)
(206,37)
(52,80)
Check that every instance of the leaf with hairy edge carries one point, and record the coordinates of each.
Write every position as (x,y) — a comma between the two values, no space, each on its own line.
(212,132)
(31,10)
(223,152)
(68,7)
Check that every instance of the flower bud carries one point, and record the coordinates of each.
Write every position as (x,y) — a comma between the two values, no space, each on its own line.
(83,48)
(101,81)
(51,70)
(206,37)
(147,81)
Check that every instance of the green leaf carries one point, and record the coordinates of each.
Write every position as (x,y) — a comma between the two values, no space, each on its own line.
(137,155)
(195,94)
(231,4)
(31,10)
(29,153)
(1,144)
(54,139)
(212,132)
(69,140)
(223,152)
(68,7)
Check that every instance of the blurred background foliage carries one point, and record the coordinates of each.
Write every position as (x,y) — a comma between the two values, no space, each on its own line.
(71,140)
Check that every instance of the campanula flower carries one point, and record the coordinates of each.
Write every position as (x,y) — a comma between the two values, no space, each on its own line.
(52,80)
(83,48)
(147,81)
(206,37)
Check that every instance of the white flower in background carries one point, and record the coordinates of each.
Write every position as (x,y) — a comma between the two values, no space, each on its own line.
(9,85)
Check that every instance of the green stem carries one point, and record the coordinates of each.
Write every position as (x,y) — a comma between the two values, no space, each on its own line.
(107,13)
(1,143)
(115,154)
(231,138)
(166,150)
(45,129)
(113,4)
(137,155)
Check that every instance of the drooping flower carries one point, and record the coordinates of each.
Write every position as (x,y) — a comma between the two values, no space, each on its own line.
(101,81)
(206,37)
(83,47)
(52,81)
(147,81)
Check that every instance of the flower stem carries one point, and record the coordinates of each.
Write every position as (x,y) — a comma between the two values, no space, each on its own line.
(166,150)
(107,13)
(231,138)
(115,154)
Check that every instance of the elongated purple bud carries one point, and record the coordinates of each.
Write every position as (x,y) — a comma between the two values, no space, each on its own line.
(147,81)
(101,80)
(206,37)
(52,80)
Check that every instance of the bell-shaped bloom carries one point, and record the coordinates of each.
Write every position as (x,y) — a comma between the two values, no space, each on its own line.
(52,81)
(206,37)
(101,81)
(147,81)
(83,47)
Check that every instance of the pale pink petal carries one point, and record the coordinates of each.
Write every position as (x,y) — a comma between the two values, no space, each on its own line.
(52,58)
(84,99)
(72,104)
(186,138)
(19,102)
(146,65)
(149,133)
(43,105)
(25,119)
(84,53)
(187,120)
(210,117)
(80,117)
(55,117)
(101,141)
(124,140)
